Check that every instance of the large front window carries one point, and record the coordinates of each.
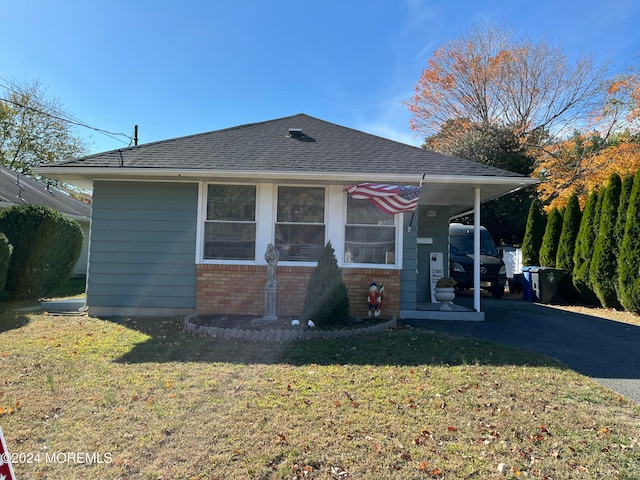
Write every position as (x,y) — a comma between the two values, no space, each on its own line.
(300,223)
(370,234)
(230,224)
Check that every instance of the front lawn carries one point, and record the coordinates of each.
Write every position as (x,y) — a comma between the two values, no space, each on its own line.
(84,398)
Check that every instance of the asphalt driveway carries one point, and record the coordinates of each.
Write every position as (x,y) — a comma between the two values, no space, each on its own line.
(605,350)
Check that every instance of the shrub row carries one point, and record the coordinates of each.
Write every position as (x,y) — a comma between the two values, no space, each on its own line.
(598,247)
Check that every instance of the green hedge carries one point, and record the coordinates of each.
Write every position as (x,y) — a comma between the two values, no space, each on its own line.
(46,246)
(5,257)
(570,228)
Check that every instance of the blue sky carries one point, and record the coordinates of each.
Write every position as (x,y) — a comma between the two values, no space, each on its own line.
(179,68)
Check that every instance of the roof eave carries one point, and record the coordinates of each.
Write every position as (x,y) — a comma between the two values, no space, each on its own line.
(88,174)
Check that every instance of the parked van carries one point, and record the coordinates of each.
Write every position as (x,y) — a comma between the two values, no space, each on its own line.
(493,272)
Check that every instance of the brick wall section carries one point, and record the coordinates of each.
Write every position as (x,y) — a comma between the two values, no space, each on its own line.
(239,289)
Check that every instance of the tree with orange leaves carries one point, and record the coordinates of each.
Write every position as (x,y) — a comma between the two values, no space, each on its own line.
(488,77)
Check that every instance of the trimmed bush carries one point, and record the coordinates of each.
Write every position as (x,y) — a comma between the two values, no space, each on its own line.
(629,260)
(551,239)
(536,224)
(570,228)
(327,299)
(46,246)
(604,262)
(5,257)
(584,250)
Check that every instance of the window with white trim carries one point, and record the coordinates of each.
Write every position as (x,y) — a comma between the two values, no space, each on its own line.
(230,223)
(300,223)
(369,234)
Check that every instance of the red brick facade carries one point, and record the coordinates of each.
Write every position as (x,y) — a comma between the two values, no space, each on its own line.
(239,289)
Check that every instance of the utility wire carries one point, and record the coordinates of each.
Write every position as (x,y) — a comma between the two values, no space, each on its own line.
(46,110)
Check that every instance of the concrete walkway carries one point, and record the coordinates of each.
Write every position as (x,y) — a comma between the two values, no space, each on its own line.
(605,350)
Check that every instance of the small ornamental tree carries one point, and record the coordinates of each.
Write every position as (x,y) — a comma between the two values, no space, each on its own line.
(551,238)
(46,246)
(327,299)
(603,271)
(536,223)
(584,250)
(5,257)
(629,260)
(570,228)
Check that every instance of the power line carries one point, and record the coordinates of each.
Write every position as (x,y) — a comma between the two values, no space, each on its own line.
(58,115)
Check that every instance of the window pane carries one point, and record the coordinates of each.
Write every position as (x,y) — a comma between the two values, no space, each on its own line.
(370,245)
(362,212)
(230,241)
(301,204)
(299,243)
(231,202)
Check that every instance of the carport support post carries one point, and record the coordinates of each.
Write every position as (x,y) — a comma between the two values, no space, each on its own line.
(476,249)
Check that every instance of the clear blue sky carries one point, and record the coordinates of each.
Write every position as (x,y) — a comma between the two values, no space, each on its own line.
(179,68)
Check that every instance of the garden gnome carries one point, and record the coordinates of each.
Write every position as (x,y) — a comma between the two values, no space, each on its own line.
(374,300)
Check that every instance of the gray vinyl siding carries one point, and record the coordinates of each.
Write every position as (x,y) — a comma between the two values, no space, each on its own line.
(142,247)
(435,228)
(408,275)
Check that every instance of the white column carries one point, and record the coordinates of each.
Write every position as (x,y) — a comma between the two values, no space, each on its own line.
(476,249)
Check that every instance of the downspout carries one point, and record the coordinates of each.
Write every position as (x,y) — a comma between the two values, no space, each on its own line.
(476,249)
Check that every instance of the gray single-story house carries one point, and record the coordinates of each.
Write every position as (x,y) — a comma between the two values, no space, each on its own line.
(182,225)
(17,189)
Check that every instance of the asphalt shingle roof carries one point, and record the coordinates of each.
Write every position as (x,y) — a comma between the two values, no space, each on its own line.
(17,189)
(267,146)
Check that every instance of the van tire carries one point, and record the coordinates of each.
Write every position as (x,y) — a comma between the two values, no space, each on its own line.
(497,291)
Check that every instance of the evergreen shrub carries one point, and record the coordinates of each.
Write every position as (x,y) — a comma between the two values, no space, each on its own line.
(536,224)
(604,262)
(327,299)
(551,238)
(46,246)
(629,259)
(5,257)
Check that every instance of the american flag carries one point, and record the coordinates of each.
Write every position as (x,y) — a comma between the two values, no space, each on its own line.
(388,198)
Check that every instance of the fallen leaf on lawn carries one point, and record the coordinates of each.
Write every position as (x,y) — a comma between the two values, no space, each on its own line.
(168,384)
(605,431)
(452,429)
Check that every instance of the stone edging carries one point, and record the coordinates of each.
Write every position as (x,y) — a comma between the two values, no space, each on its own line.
(280,335)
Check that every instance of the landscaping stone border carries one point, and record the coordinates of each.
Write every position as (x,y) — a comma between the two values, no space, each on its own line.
(279,335)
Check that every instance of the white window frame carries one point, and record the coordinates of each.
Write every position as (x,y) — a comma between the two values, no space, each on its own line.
(398,221)
(202,219)
(274,219)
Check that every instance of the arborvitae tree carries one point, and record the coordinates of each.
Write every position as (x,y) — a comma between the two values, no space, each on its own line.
(551,238)
(536,223)
(623,205)
(604,260)
(570,228)
(584,249)
(625,194)
(629,259)
(327,299)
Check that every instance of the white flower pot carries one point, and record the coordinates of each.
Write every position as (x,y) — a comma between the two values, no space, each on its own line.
(445,295)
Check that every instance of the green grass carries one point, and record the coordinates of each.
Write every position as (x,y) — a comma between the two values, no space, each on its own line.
(74,287)
(156,403)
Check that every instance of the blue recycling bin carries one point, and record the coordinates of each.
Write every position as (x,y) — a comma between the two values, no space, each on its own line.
(527,283)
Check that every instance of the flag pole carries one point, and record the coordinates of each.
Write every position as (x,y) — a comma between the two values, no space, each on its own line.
(414,212)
